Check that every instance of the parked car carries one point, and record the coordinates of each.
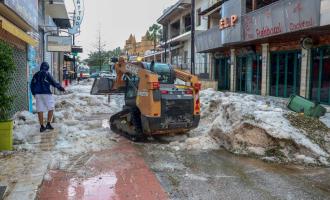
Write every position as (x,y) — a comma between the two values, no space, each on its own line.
(85,75)
(95,75)
(107,74)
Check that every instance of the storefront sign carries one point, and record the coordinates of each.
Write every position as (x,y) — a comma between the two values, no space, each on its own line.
(79,15)
(281,17)
(59,43)
(228,22)
(27,9)
(231,23)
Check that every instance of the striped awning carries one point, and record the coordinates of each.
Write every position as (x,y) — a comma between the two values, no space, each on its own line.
(17,32)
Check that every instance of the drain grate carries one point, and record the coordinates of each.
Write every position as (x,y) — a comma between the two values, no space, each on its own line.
(2,191)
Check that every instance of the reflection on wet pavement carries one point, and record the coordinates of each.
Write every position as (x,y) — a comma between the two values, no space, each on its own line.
(117,173)
(99,187)
(221,175)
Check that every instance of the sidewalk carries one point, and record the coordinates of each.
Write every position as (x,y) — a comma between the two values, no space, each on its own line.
(117,173)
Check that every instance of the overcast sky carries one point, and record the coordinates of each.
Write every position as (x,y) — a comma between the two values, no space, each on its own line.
(117,19)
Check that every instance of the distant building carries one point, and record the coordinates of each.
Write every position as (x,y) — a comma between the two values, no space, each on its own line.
(133,48)
(176,49)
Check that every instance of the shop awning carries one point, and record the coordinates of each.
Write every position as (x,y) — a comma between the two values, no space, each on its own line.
(17,32)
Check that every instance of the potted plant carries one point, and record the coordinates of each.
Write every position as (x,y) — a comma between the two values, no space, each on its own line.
(7,67)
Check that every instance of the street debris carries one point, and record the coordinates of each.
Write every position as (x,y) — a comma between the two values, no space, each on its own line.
(243,124)
(258,126)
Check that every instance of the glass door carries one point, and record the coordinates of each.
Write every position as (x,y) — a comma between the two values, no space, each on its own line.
(285,73)
(248,74)
(320,75)
(222,73)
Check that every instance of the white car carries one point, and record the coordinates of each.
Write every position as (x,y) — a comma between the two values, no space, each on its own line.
(105,74)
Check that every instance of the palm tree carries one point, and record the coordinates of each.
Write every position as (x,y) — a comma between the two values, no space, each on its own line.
(155,34)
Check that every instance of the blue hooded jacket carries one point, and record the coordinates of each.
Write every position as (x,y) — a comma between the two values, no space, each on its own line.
(42,81)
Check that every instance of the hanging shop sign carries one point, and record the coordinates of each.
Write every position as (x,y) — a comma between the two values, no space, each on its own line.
(77,49)
(59,43)
(78,18)
(27,9)
(281,17)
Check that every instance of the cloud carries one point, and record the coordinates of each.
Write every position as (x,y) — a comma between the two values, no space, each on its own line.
(117,19)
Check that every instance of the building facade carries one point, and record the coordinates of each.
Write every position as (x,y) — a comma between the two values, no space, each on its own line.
(24,25)
(17,22)
(53,18)
(134,48)
(176,47)
(277,47)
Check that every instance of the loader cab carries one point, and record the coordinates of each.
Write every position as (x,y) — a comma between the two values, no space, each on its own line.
(165,71)
(132,84)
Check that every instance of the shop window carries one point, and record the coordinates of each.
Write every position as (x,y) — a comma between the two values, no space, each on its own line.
(175,29)
(199,17)
(187,23)
(320,75)
(285,74)
(222,73)
(248,74)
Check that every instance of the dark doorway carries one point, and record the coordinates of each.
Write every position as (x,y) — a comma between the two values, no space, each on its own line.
(222,73)
(285,73)
(320,75)
(248,74)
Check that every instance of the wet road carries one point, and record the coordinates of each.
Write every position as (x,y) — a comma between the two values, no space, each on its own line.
(154,171)
(221,175)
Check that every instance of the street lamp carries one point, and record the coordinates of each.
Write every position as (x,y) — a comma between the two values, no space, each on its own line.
(192,37)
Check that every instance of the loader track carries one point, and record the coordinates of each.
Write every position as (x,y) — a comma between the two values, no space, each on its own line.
(128,118)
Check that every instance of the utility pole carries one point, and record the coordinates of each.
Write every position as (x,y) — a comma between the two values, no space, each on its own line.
(74,57)
(99,48)
(193,36)
(165,39)
(74,43)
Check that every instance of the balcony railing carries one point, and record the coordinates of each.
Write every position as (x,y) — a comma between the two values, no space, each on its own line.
(281,17)
(212,2)
(207,40)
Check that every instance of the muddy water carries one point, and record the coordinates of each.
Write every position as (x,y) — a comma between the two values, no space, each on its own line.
(221,175)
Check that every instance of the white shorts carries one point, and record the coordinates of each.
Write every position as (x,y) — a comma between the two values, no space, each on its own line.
(45,102)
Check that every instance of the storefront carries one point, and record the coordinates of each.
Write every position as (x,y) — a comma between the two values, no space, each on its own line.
(222,73)
(248,73)
(18,40)
(320,75)
(285,73)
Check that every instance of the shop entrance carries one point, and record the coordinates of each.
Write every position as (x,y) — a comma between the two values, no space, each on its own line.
(285,73)
(248,74)
(222,73)
(320,75)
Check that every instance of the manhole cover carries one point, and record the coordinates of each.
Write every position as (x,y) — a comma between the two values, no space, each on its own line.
(2,191)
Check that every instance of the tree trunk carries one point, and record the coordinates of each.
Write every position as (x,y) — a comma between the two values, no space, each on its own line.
(155,50)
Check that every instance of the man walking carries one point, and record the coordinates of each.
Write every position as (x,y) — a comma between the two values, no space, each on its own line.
(40,88)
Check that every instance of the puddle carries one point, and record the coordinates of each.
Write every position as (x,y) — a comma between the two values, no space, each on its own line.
(99,186)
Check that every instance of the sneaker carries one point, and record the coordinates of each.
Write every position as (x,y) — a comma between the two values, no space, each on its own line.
(49,127)
(42,129)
